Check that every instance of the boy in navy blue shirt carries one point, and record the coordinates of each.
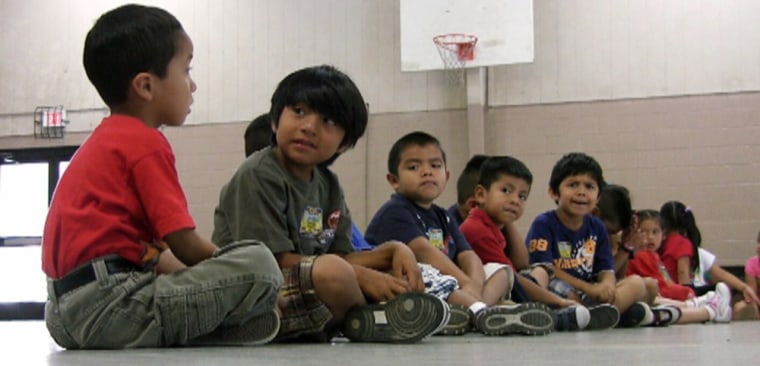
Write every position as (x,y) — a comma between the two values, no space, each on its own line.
(417,172)
(572,245)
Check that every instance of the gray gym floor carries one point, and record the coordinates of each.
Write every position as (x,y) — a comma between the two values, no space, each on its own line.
(28,343)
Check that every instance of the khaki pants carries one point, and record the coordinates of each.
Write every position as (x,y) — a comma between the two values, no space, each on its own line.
(141,309)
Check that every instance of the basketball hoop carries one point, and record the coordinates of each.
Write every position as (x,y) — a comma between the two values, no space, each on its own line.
(455,50)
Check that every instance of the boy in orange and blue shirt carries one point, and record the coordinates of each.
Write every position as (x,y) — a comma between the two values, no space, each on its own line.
(573,247)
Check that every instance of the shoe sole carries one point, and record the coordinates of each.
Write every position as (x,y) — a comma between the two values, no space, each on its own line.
(602,317)
(526,318)
(258,330)
(406,319)
(459,322)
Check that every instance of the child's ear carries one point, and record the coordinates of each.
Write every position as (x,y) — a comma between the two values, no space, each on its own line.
(480,194)
(141,85)
(553,195)
(392,180)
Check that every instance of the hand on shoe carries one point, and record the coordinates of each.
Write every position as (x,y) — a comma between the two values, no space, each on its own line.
(379,286)
(406,269)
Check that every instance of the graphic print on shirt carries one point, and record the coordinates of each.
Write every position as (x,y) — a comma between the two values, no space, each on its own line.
(311,222)
(437,238)
(578,257)
(312,225)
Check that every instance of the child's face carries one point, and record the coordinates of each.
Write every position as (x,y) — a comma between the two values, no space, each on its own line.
(577,196)
(505,200)
(650,236)
(422,174)
(173,94)
(305,139)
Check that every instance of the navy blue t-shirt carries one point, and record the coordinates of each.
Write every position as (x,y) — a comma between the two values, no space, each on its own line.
(583,253)
(400,219)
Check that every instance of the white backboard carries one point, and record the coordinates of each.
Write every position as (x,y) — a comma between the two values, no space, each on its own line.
(504,29)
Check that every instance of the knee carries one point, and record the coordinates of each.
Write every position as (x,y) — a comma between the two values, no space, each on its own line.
(652,288)
(637,285)
(331,273)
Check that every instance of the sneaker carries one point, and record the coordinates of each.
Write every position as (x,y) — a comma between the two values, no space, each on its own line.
(700,301)
(720,304)
(571,318)
(529,318)
(408,318)
(602,316)
(637,315)
(665,315)
(260,329)
(459,323)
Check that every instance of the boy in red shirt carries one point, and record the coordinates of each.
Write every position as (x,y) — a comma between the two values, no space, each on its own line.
(120,200)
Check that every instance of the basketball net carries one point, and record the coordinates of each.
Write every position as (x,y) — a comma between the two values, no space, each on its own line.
(455,50)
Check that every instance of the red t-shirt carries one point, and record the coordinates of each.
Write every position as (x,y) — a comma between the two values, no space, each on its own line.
(120,189)
(675,246)
(648,264)
(485,237)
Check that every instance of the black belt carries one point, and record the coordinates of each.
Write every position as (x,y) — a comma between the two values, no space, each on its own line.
(86,274)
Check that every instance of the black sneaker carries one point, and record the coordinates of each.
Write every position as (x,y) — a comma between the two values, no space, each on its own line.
(571,318)
(406,319)
(260,329)
(636,315)
(602,316)
(530,318)
(459,323)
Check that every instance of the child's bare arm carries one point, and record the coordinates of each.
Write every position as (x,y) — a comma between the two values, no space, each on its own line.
(516,250)
(719,274)
(394,257)
(684,270)
(189,247)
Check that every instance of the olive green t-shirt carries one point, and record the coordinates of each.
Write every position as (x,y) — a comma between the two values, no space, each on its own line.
(263,201)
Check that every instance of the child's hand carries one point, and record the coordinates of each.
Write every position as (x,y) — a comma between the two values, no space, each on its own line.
(602,292)
(380,286)
(405,268)
(750,296)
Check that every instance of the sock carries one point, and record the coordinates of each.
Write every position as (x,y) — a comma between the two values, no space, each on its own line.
(477,307)
(711,312)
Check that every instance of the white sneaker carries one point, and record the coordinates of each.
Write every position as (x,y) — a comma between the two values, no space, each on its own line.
(701,301)
(720,304)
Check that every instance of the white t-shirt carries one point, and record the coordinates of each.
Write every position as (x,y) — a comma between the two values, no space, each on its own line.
(706,261)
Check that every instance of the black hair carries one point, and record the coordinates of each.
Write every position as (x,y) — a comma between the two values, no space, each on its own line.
(258,134)
(126,41)
(649,214)
(676,217)
(416,138)
(329,92)
(575,163)
(615,206)
(469,178)
(497,166)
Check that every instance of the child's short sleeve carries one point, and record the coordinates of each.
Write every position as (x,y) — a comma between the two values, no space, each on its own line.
(539,239)
(394,221)
(752,268)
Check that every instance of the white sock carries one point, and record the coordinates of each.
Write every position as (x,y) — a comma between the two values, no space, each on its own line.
(477,307)
(711,312)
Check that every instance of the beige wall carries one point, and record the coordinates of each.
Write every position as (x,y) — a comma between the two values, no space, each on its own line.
(701,150)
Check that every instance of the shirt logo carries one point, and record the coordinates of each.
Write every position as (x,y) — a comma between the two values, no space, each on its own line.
(311,222)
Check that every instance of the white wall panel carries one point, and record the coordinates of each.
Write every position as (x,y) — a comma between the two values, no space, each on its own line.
(585,50)
(604,50)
